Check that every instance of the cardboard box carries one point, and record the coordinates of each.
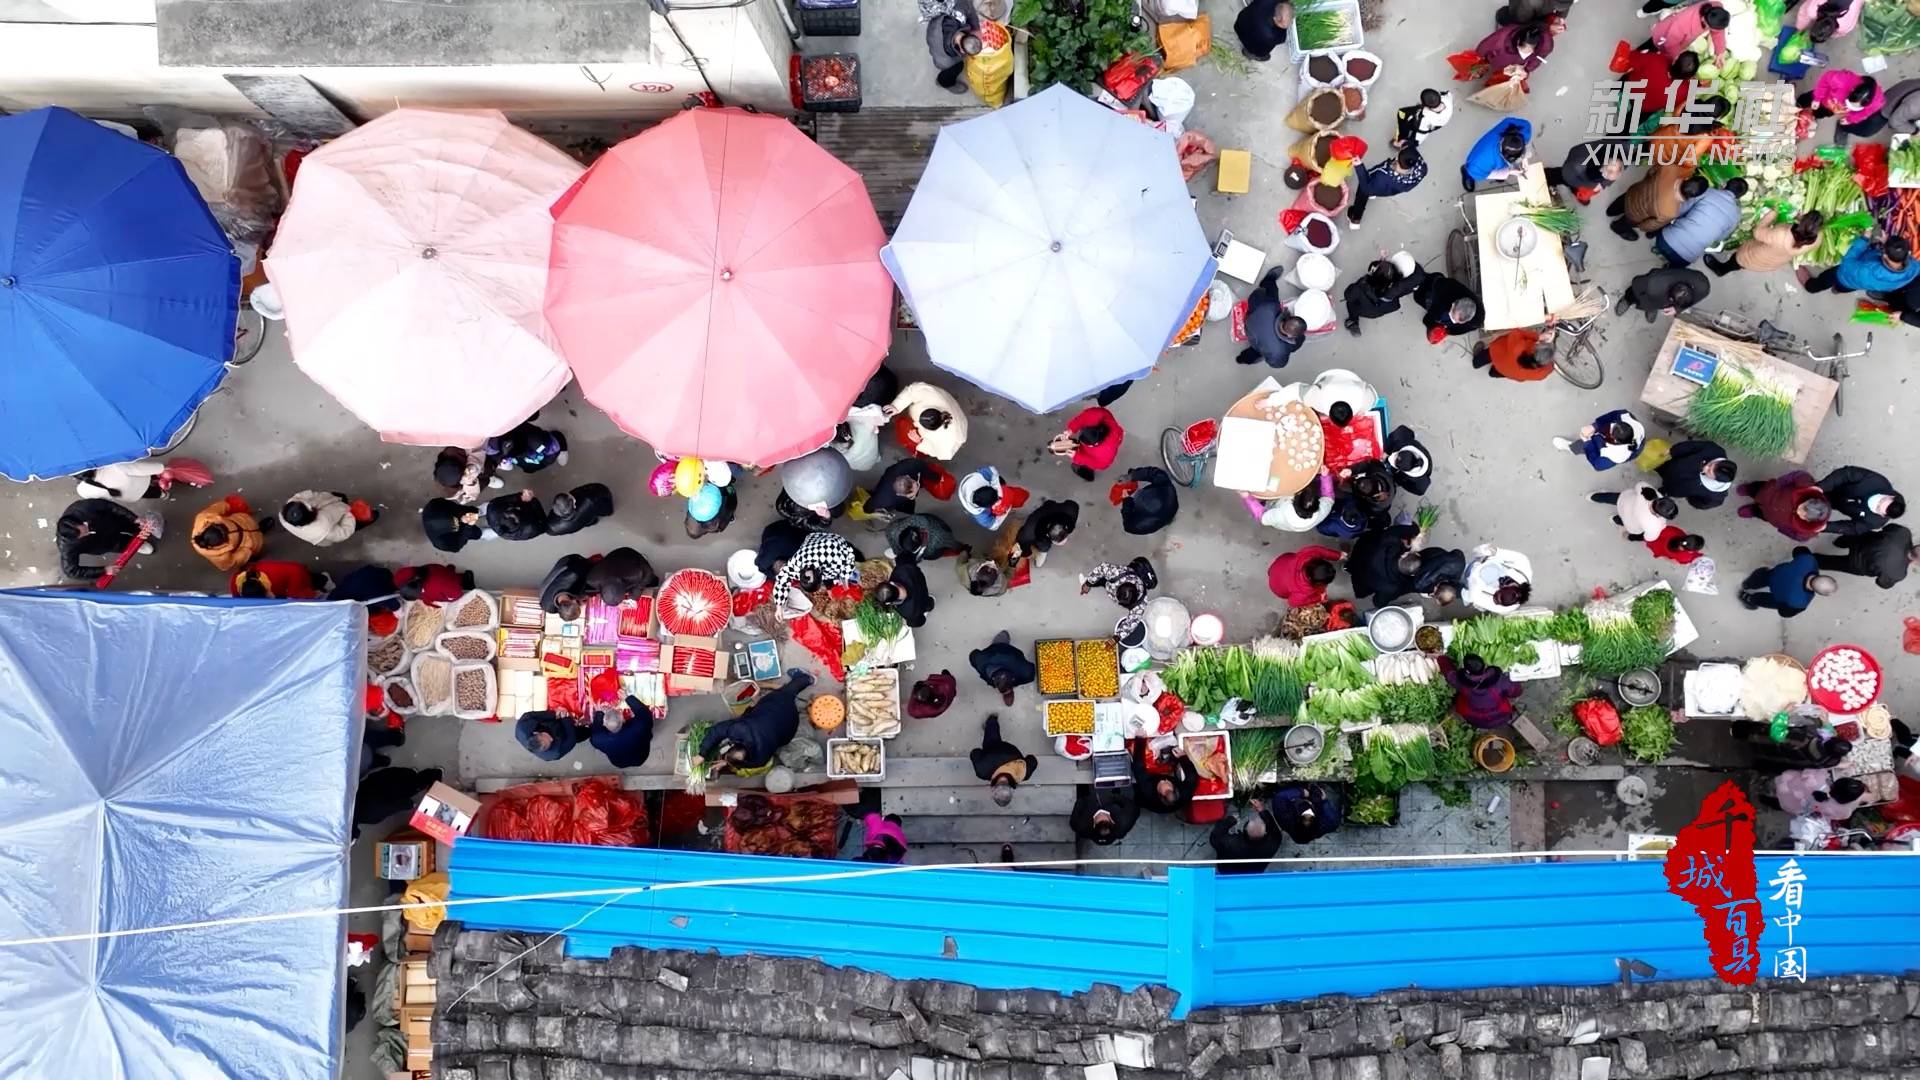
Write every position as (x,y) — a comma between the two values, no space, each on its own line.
(445,814)
(1236,172)
(521,607)
(693,665)
(404,856)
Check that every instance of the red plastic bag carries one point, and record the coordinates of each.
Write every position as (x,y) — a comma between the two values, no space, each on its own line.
(1128,76)
(1600,720)
(1910,640)
(1468,66)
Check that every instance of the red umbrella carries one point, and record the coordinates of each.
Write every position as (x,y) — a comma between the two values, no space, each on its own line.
(716,287)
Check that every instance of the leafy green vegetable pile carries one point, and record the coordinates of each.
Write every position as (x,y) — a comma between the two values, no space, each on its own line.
(1647,733)
(1500,640)
(877,623)
(1743,410)
(1256,751)
(1318,24)
(1073,41)
(1373,810)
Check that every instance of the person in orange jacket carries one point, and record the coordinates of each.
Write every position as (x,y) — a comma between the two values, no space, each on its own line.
(227,535)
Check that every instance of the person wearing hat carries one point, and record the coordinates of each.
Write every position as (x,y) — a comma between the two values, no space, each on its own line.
(750,740)
(989,497)
(626,738)
(565,586)
(1000,763)
(574,510)
(620,574)
(1379,291)
(710,510)
(924,538)
(1147,500)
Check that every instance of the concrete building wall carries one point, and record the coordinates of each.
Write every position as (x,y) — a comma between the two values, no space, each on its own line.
(112,68)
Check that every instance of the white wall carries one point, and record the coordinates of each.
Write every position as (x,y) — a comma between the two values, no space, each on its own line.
(114,70)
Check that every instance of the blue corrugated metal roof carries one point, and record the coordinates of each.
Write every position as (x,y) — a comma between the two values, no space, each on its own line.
(1231,940)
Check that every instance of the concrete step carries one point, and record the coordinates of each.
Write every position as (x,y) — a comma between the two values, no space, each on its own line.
(913,802)
(1054,771)
(937,854)
(993,831)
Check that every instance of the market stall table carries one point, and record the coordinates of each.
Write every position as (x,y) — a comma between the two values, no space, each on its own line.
(1525,291)
(1269,449)
(1670,396)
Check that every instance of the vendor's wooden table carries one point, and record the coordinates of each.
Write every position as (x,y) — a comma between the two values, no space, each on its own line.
(1519,292)
(1671,396)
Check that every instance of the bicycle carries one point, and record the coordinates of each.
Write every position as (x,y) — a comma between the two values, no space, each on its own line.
(1576,355)
(1187,452)
(1786,346)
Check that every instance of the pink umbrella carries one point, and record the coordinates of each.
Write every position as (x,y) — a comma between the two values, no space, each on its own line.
(717,287)
(412,262)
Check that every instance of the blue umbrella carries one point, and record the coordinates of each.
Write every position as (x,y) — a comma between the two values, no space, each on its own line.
(1050,249)
(118,294)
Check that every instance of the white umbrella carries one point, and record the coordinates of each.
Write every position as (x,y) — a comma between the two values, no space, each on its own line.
(1050,249)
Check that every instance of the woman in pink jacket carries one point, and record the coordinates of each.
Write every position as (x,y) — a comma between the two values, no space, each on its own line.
(1677,32)
(1857,99)
(1844,13)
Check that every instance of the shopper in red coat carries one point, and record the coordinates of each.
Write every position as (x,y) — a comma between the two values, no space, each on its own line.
(1677,543)
(1793,503)
(433,584)
(1301,577)
(269,579)
(1091,441)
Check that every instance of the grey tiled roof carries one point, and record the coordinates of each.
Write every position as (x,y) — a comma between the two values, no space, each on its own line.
(661,1015)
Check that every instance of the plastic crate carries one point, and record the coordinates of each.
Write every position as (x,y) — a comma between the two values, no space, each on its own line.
(816,97)
(828,18)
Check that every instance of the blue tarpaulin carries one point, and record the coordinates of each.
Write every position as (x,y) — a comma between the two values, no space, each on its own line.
(170,761)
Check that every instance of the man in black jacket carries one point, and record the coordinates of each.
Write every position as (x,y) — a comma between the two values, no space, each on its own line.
(574,510)
(95,528)
(517,517)
(1698,471)
(1258,837)
(1668,290)
(1104,815)
(625,739)
(1451,308)
(1261,27)
(1274,333)
(768,724)
(565,586)
(449,525)
(905,591)
(1147,500)
(1000,763)
(621,574)
(1884,555)
(1163,793)
(1866,497)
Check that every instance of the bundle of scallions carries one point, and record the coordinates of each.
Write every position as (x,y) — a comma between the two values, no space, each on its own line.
(1553,217)
(1744,409)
